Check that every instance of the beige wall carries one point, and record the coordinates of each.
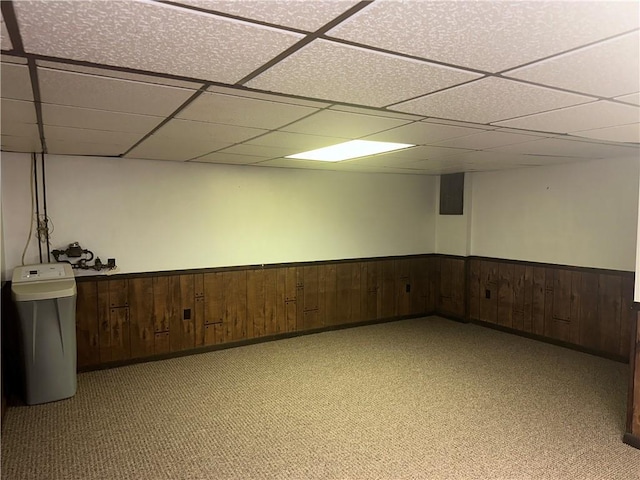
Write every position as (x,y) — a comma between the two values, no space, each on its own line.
(155,216)
(582,214)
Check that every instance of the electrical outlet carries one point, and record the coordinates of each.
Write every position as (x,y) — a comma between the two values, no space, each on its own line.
(187,314)
(408,288)
(487,294)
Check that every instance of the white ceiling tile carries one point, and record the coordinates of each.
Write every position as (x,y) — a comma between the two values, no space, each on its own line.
(69,134)
(158,147)
(5,40)
(296,163)
(328,70)
(332,123)
(21,144)
(257,151)
(491,36)
(582,117)
(567,148)
(607,69)
(240,91)
(217,132)
(106,72)
(488,139)
(75,147)
(13,59)
(16,129)
(308,16)
(228,158)
(632,98)
(489,100)
(422,133)
(376,111)
(294,142)
(16,82)
(102,93)
(248,112)
(17,111)
(409,156)
(149,36)
(623,133)
(65,116)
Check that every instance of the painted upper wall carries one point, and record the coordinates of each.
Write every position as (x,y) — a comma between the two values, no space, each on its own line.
(154,216)
(582,214)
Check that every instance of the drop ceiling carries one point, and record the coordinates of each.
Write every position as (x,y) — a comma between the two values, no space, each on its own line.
(474,85)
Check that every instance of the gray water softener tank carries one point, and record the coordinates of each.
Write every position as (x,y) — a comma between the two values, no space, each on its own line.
(45,297)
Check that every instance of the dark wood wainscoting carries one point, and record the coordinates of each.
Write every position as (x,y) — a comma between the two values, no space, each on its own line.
(130,317)
(632,435)
(584,307)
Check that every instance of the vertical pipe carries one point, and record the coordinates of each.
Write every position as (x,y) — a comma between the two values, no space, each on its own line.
(35,179)
(44,203)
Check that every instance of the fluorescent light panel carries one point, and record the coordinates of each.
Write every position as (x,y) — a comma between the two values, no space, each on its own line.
(348,150)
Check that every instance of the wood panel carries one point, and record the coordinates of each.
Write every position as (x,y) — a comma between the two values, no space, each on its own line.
(589,328)
(388,288)
(161,304)
(403,287)
(538,300)
(120,335)
(458,287)
(281,300)
(271,309)
(419,286)
(489,291)
(505,294)
(355,314)
(372,300)
(87,326)
(517,314)
(627,316)
(104,323)
(291,299)
(445,301)
(609,306)
(255,304)
(118,293)
(634,400)
(528,299)
(474,289)
(142,328)
(343,293)
(182,328)
(311,297)
(213,288)
(198,322)
(235,305)
(434,283)
(329,304)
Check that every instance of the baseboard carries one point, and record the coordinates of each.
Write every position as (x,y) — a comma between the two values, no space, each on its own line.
(552,341)
(631,440)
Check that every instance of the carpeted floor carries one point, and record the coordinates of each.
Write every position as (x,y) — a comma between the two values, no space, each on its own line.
(425,398)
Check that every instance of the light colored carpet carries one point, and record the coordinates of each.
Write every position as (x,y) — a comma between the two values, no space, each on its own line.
(424,398)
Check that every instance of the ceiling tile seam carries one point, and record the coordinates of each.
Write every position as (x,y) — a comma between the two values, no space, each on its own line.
(495,122)
(169,117)
(604,128)
(565,52)
(11,22)
(260,135)
(101,110)
(406,55)
(233,17)
(434,92)
(559,89)
(305,41)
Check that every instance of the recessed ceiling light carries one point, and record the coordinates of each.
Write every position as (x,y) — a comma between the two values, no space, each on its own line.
(348,150)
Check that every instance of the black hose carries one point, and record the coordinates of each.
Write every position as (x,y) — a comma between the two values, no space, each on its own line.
(35,179)
(44,203)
